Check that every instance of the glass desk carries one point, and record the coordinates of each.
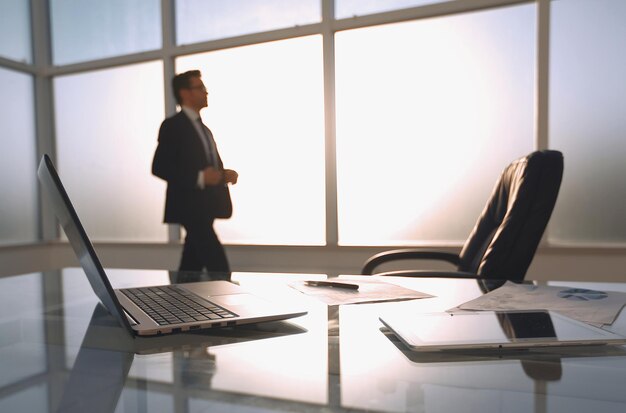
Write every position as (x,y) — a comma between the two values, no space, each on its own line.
(61,351)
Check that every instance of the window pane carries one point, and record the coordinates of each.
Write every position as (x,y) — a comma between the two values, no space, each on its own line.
(95,29)
(15,38)
(107,124)
(428,114)
(202,20)
(266,113)
(351,8)
(18,163)
(587,123)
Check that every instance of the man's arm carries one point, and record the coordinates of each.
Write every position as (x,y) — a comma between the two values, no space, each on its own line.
(166,163)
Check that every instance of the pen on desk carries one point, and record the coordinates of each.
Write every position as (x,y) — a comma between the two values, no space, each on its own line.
(332,284)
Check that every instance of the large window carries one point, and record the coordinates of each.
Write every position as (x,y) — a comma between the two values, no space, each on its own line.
(428,115)
(18,166)
(587,122)
(94,29)
(422,114)
(200,20)
(266,113)
(107,124)
(15,37)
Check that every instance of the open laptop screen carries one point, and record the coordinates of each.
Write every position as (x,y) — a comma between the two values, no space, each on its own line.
(77,237)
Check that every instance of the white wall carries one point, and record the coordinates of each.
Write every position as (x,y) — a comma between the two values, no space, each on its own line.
(550,263)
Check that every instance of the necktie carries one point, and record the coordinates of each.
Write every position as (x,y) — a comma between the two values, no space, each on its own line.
(208,143)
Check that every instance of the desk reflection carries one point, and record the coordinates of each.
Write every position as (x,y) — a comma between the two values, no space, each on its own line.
(182,277)
(101,368)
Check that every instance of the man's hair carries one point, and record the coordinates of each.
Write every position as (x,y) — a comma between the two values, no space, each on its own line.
(183,81)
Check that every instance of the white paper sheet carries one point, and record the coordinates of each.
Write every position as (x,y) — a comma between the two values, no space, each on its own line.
(590,306)
(369,291)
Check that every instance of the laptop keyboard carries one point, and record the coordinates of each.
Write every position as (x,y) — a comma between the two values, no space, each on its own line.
(172,305)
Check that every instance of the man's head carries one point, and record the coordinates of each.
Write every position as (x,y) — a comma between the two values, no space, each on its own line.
(189,90)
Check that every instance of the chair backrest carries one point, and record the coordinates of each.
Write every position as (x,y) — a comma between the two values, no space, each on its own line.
(505,238)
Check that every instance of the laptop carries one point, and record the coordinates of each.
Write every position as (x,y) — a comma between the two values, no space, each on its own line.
(494,330)
(164,309)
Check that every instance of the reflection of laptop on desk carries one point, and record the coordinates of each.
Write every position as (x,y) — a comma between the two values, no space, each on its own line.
(494,330)
(105,333)
(162,309)
(106,354)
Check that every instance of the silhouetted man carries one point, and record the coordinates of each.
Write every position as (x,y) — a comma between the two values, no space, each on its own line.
(187,158)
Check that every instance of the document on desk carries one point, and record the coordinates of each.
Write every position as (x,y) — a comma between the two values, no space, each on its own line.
(589,306)
(369,291)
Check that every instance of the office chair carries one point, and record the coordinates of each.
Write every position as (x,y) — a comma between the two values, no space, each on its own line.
(507,233)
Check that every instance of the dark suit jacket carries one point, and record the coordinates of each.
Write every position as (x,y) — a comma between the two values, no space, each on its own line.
(179,157)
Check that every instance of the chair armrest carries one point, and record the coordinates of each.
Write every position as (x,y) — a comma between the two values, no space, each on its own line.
(430,274)
(407,254)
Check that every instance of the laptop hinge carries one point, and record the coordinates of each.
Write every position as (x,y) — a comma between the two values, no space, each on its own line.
(130,319)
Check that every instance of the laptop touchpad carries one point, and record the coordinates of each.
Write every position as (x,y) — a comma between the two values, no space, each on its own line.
(238,300)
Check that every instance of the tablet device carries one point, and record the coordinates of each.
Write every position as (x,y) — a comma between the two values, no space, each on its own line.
(493,330)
